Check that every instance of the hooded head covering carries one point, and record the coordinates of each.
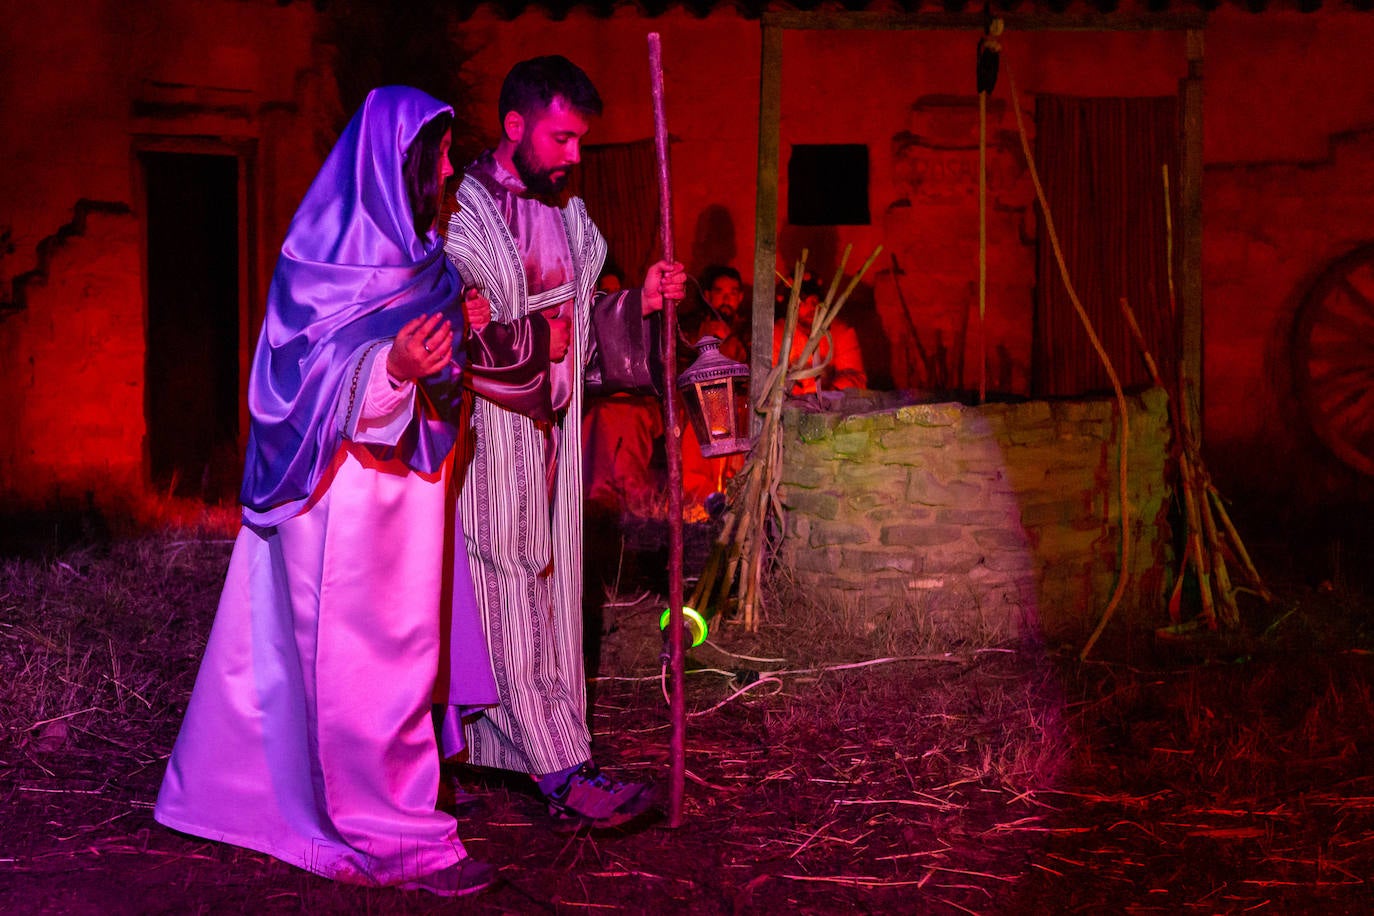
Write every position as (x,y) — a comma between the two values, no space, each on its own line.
(352,271)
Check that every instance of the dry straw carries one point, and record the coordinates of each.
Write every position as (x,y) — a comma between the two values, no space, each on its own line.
(754,508)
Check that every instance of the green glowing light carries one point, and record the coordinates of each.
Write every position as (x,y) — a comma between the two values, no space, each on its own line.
(694,621)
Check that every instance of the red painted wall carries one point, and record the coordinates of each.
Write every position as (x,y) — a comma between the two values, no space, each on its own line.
(73,375)
(86,84)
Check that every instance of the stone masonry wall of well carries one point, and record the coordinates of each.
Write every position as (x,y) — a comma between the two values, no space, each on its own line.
(1000,517)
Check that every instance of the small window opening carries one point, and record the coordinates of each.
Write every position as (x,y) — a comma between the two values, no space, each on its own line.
(827,185)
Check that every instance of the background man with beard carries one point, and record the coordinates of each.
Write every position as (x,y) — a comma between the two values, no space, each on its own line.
(721,316)
(722,292)
(537,256)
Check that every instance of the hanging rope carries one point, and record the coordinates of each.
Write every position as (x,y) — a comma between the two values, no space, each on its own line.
(989,49)
(1209,525)
(1124,573)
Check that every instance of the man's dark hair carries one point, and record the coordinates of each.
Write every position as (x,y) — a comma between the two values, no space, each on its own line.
(421,172)
(711,274)
(532,85)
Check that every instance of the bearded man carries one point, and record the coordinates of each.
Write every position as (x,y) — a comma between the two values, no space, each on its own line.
(537,256)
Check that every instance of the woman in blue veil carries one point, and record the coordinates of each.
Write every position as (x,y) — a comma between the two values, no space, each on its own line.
(308,735)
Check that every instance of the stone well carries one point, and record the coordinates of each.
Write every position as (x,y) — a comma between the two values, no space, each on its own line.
(1004,517)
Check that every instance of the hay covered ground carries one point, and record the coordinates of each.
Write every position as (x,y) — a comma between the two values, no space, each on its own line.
(913,772)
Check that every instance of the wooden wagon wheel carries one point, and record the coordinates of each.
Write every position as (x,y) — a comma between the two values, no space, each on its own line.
(1333,358)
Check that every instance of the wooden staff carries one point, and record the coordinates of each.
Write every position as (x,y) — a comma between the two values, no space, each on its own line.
(677,767)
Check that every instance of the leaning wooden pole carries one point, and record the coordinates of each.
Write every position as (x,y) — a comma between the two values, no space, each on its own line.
(982,247)
(677,750)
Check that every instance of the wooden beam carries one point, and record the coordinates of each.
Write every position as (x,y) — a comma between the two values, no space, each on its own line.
(766,211)
(1033,21)
(1190,237)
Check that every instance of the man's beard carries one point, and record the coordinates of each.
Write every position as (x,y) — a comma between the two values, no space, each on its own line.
(539,182)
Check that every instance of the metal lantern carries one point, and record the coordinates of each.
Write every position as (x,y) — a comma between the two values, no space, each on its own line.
(714,391)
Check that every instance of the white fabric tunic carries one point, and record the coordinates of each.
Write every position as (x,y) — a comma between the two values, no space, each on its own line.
(522,498)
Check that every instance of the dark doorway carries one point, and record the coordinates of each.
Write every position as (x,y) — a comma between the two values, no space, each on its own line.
(1102,161)
(192,379)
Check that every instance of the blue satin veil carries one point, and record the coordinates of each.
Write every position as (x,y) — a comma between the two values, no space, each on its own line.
(352,270)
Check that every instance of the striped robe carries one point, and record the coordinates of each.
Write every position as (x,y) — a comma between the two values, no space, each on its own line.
(523,531)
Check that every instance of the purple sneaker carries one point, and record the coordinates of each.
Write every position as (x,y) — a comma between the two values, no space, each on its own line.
(590,798)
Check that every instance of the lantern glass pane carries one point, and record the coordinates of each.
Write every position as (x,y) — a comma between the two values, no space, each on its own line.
(719,409)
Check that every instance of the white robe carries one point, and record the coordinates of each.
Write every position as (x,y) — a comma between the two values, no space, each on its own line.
(523,531)
(309,735)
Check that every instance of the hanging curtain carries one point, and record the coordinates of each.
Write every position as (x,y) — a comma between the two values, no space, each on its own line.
(1101,162)
(617,181)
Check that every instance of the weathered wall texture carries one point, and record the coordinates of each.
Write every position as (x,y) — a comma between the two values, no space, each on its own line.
(925,295)
(1001,517)
(74,393)
(87,87)
(88,84)
(910,96)
(1265,254)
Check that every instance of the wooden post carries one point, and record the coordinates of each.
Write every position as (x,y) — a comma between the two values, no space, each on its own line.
(982,247)
(1190,230)
(766,215)
(678,701)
